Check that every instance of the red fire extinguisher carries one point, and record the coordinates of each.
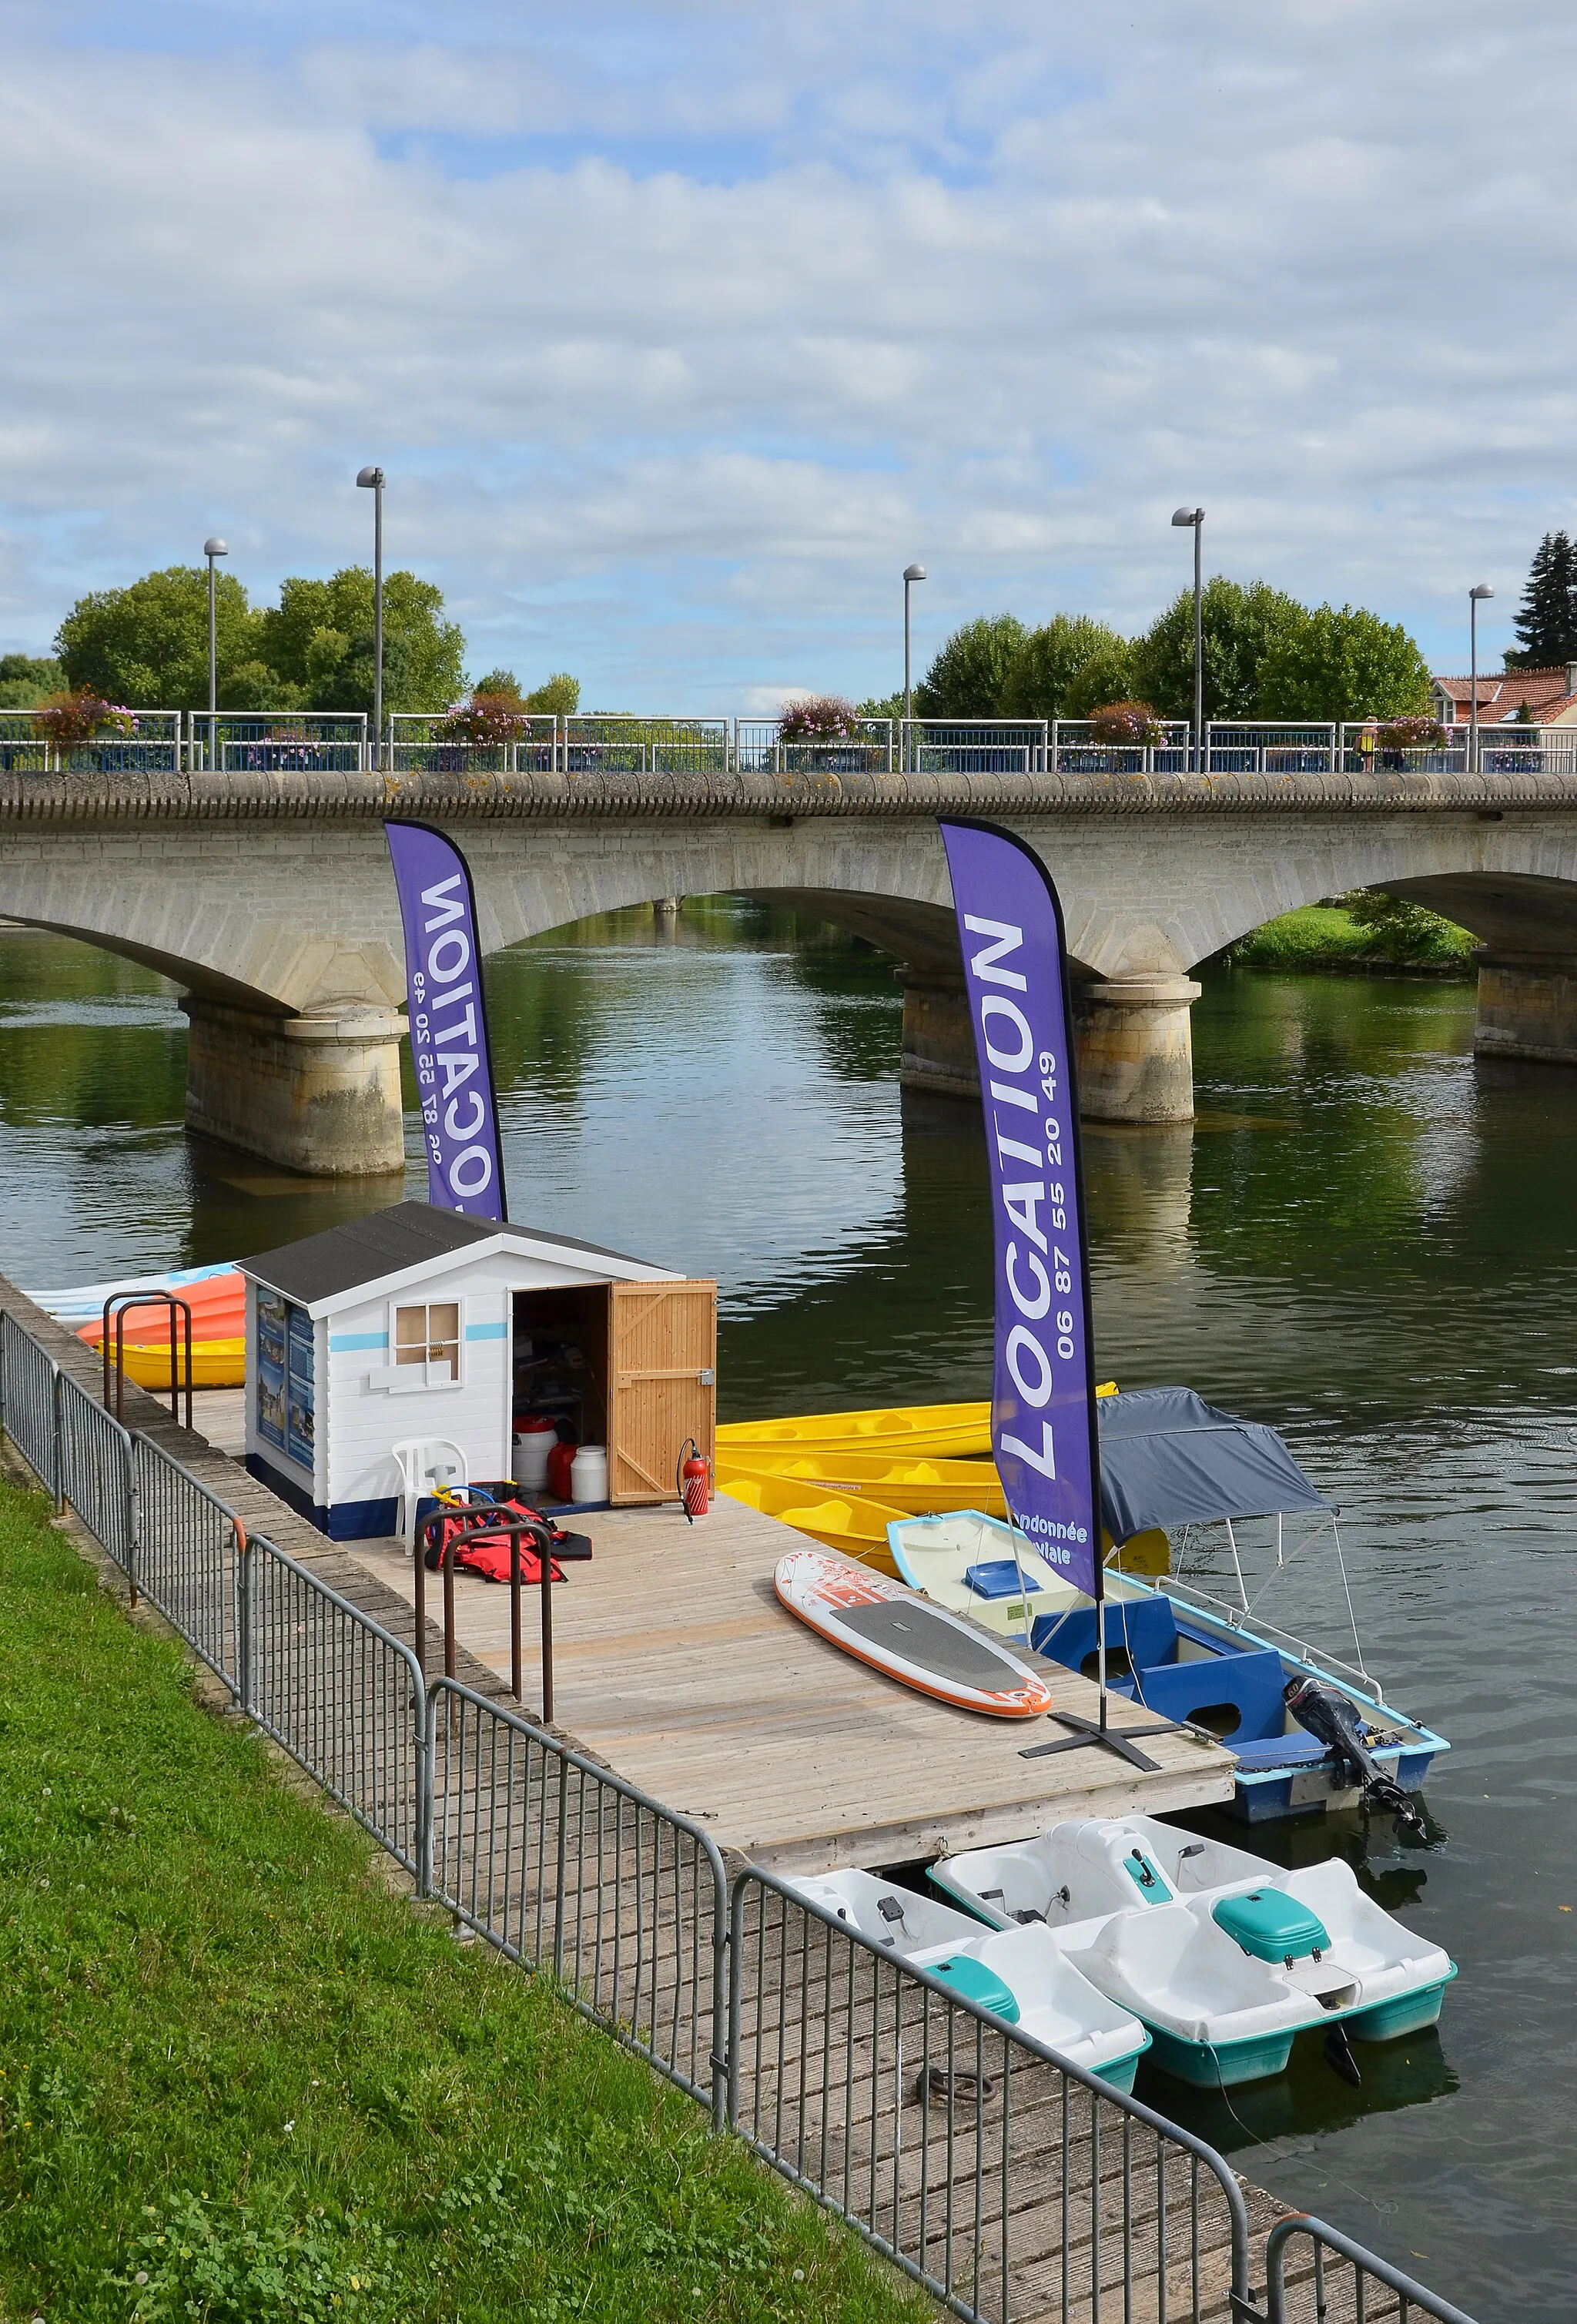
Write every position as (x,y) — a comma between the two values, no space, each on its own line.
(692,1480)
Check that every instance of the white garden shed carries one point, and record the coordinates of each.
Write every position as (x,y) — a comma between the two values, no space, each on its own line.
(418,1322)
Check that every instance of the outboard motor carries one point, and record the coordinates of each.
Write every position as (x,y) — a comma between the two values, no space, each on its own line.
(1328,1714)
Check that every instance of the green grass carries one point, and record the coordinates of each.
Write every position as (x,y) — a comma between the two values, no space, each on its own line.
(240,2080)
(1320,935)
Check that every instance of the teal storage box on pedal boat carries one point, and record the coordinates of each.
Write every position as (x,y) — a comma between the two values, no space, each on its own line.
(976,1983)
(1272,1925)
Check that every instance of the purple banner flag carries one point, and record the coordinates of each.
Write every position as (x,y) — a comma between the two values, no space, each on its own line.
(1043,1395)
(448,1022)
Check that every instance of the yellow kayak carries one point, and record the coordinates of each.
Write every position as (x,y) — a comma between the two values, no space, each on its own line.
(938,1432)
(917,1488)
(214,1363)
(841,1521)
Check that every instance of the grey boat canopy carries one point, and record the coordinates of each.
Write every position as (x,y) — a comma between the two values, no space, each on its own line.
(1168,1458)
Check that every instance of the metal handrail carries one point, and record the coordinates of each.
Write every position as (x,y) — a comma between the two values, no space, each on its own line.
(1410,2294)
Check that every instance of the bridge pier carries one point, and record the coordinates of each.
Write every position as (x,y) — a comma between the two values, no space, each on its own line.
(319,1092)
(1136,1048)
(1135,1044)
(1528,1006)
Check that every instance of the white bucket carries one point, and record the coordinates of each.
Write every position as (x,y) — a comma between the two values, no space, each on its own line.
(588,1478)
(532,1446)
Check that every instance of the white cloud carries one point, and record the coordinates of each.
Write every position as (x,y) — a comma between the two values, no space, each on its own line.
(679,333)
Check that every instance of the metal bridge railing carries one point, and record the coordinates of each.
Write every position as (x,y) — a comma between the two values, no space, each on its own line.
(417,745)
(154,747)
(975,746)
(609,744)
(1009,2181)
(280,743)
(1077,750)
(1343,2280)
(760,748)
(563,1866)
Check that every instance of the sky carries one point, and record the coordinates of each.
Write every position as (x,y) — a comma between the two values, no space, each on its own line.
(680,330)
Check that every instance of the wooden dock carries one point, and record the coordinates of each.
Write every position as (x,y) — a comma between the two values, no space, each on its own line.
(676,1665)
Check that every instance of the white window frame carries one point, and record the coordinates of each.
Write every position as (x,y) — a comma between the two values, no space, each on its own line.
(406,1379)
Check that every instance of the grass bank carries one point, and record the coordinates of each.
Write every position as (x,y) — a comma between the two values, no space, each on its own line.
(1381,933)
(239,2079)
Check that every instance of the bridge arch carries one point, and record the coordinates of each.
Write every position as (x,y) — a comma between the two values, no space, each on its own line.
(277,912)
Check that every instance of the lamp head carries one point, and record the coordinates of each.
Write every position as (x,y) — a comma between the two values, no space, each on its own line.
(1188,516)
(1480,589)
(369,478)
(215,547)
(914,572)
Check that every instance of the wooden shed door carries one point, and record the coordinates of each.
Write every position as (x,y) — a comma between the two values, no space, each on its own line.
(662,1358)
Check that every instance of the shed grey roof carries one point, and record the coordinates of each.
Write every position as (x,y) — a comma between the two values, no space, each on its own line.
(366,1250)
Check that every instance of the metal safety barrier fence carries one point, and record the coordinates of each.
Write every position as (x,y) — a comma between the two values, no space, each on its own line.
(28,1405)
(1010,2182)
(1341,2293)
(187,1559)
(94,1470)
(339,1693)
(563,1866)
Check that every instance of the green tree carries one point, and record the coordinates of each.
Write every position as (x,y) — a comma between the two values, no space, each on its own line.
(558,696)
(1342,663)
(1546,621)
(1241,625)
(147,645)
(25,682)
(1065,669)
(320,638)
(967,678)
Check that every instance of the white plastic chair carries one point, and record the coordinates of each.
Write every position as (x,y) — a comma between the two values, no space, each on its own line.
(425,1463)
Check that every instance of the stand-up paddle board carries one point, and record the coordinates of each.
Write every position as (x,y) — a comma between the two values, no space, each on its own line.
(903,1635)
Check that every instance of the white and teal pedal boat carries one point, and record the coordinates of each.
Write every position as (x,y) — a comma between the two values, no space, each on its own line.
(1168,1460)
(1017,1971)
(1223,1958)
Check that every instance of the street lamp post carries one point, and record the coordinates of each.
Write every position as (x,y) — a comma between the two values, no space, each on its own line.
(372,479)
(911,574)
(213,546)
(1479,590)
(1195,517)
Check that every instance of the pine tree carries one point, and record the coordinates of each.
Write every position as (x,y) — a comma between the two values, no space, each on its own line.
(1546,622)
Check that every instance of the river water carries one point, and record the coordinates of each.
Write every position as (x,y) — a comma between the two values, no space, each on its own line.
(1367,1239)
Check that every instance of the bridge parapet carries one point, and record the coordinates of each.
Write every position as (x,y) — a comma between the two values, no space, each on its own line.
(151,792)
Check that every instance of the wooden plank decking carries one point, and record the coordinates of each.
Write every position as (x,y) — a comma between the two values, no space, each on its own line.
(676,1665)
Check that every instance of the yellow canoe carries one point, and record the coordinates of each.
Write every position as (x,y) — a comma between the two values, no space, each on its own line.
(214,1363)
(846,1522)
(915,1486)
(937,1432)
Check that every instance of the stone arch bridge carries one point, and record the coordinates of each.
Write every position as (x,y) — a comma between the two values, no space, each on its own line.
(271,901)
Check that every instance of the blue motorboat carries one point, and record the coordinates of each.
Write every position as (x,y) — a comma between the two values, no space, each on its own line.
(1169,1461)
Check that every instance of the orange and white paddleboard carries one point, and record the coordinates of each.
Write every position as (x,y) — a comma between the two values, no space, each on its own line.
(906,1637)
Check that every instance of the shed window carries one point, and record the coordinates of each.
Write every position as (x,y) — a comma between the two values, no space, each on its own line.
(426,1339)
